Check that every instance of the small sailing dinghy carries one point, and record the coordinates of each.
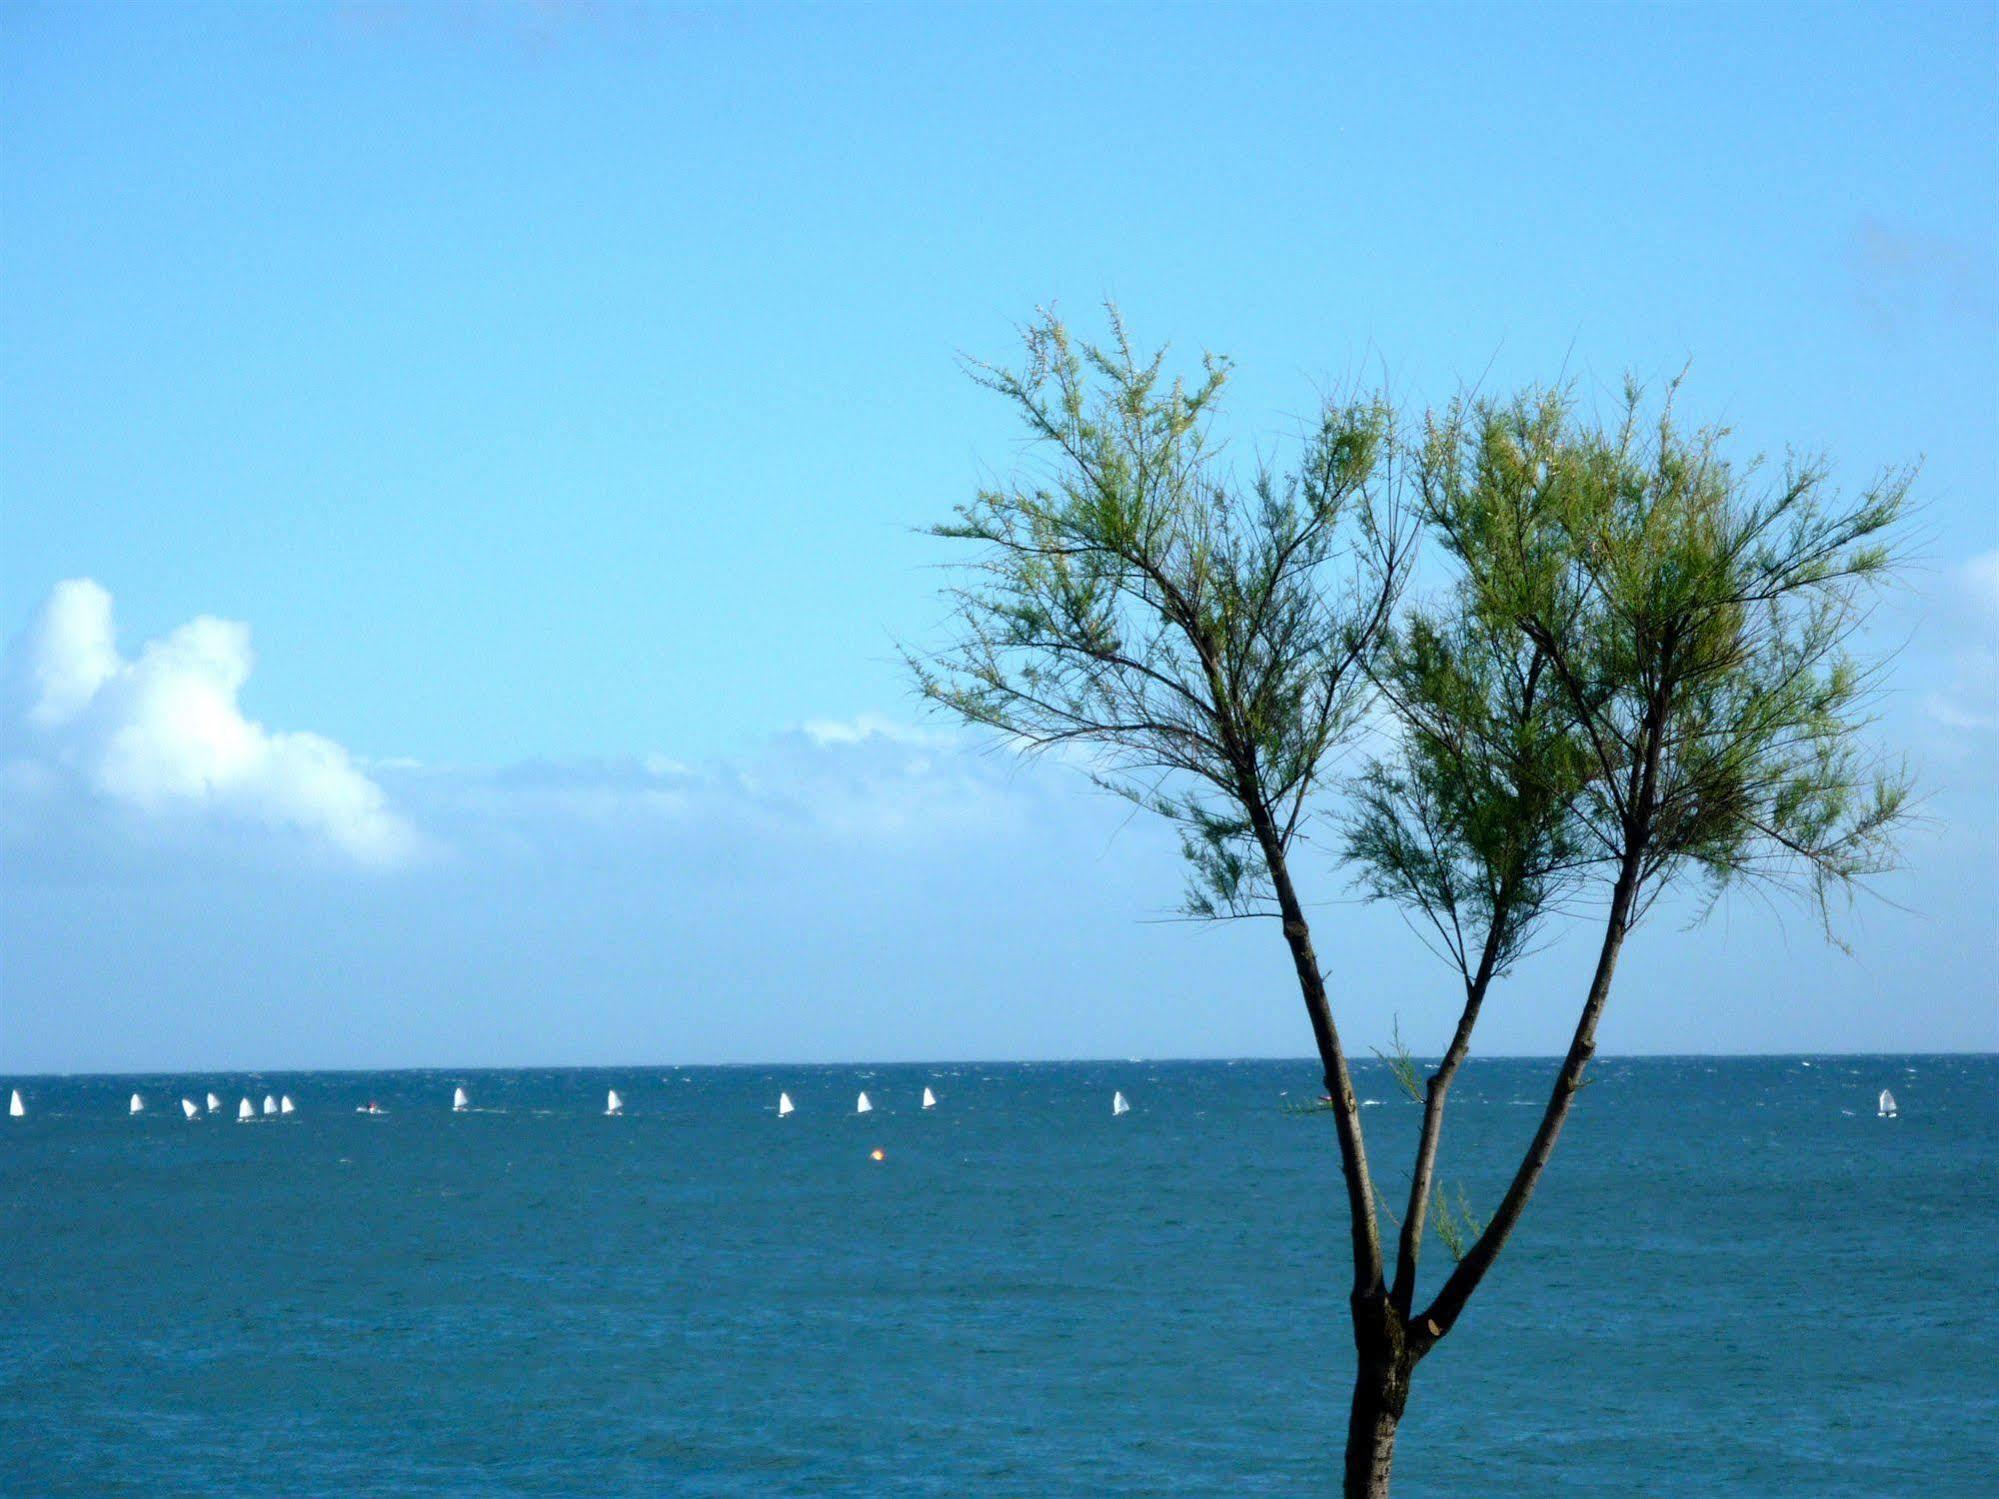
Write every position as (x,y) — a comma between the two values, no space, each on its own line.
(245,1114)
(1118,1105)
(285,1105)
(862,1106)
(138,1104)
(783,1104)
(929,1099)
(1888,1110)
(459,1102)
(187,1107)
(270,1104)
(14,1107)
(214,1103)
(614,1105)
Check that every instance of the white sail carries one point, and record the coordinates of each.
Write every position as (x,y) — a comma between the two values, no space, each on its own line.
(214,1103)
(862,1106)
(138,1104)
(270,1104)
(245,1113)
(285,1105)
(614,1104)
(1887,1104)
(783,1104)
(929,1099)
(1118,1105)
(459,1102)
(187,1107)
(14,1107)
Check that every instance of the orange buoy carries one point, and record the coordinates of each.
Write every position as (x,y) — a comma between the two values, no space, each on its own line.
(878,1156)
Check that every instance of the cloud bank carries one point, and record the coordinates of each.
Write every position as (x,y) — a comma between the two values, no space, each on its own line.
(162,736)
(106,759)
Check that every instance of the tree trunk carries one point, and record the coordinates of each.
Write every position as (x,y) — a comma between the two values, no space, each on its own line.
(1380,1393)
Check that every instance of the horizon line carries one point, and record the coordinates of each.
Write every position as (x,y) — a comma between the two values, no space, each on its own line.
(1652,1056)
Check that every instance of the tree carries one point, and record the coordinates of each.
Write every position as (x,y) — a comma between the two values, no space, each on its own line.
(1639,669)
(1694,626)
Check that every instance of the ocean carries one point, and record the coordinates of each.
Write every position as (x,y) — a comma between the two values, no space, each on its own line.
(1735,1279)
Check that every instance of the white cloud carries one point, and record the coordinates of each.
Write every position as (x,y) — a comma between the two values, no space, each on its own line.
(861,782)
(1969,701)
(827,733)
(163,733)
(1978,580)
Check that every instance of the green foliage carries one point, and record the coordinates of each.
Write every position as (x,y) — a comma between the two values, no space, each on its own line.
(1200,641)
(1402,1066)
(1471,826)
(1695,620)
(1458,1227)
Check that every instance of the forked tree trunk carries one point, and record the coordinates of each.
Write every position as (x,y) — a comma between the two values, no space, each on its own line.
(1380,1394)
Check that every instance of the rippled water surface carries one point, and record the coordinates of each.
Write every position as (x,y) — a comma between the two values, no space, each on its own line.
(1735,1279)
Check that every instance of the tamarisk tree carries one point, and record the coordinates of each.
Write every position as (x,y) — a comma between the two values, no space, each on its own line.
(1641,677)
(1207,644)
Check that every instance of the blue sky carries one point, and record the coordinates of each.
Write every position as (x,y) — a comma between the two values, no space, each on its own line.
(545,396)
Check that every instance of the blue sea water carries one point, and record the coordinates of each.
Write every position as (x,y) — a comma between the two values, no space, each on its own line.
(1735,1279)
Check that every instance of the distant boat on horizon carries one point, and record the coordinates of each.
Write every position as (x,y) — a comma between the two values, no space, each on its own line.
(138,1105)
(613,1105)
(214,1103)
(459,1102)
(14,1107)
(783,1104)
(1118,1105)
(245,1114)
(285,1105)
(1887,1105)
(270,1104)
(862,1106)
(929,1099)
(187,1107)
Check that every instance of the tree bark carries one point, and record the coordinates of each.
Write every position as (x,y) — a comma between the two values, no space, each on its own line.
(1365,1233)
(1380,1395)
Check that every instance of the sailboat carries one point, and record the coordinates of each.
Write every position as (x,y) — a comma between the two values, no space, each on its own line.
(245,1114)
(138,1104)
(783,1104)
(14,1107)
(270,1104)
(929,1099)
(862,1106)
(1888,1110)
(214,1103)
(614,1105)
(459,1102)
(187,1107)
(285,1105)
(1118,1105)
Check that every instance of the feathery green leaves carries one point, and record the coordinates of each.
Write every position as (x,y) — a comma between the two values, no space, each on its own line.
(1201,641)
